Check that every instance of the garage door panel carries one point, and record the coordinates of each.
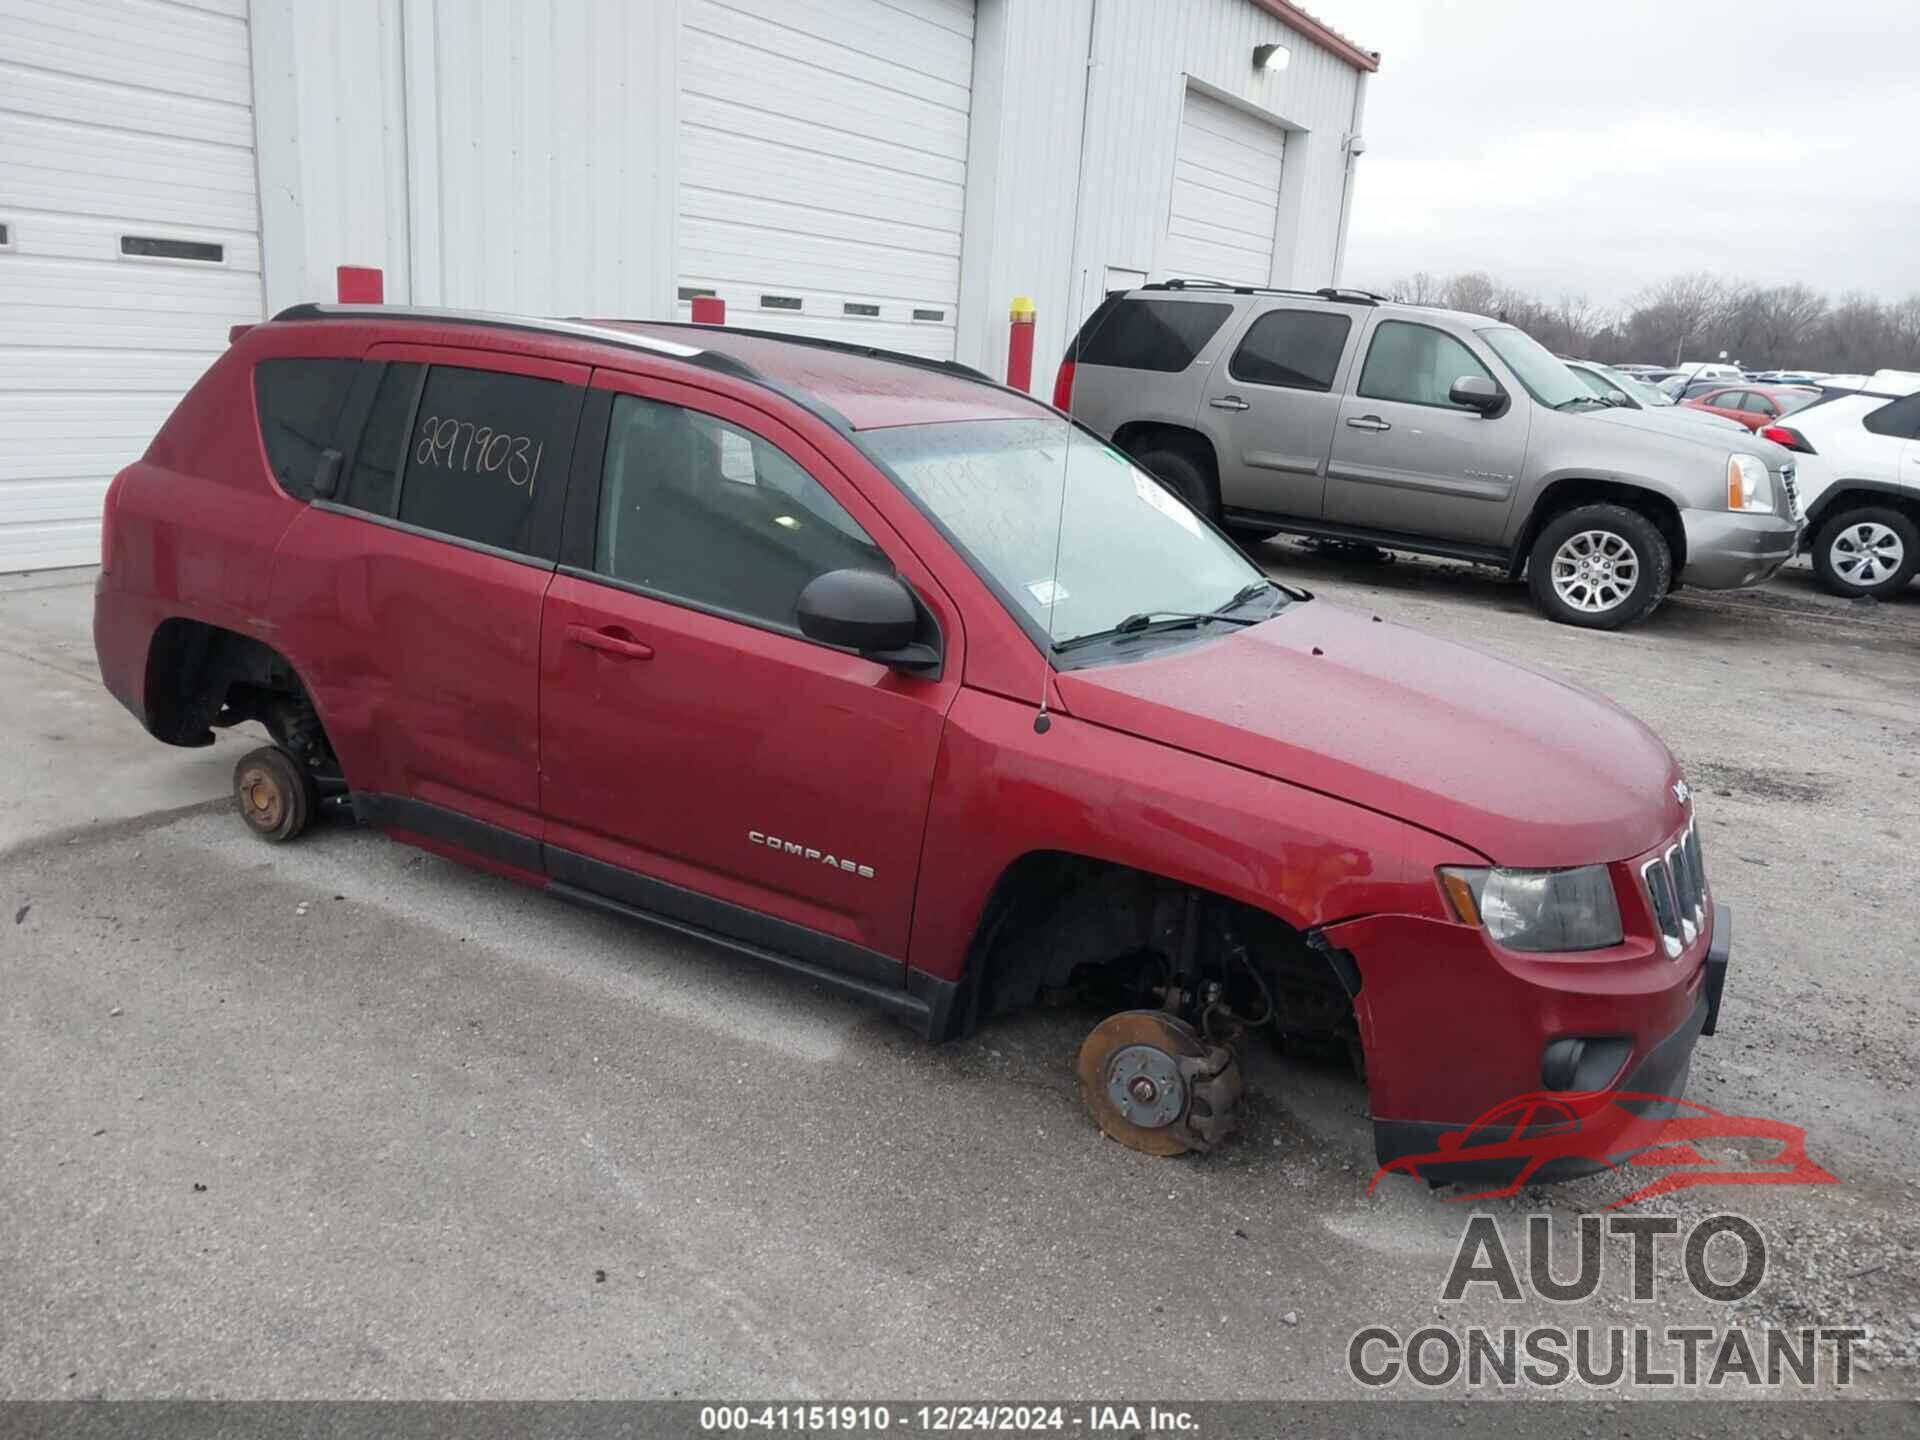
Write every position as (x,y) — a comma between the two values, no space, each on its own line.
(833,267)
(51,235)
(822,98)
(117,118)
(823,318)
(1225,197)
(185,51)
(718,36)
(50,96)
(55,165)
(837,177)
(792,177)
(929,43)
(166,372)
(703,112)
(154,287)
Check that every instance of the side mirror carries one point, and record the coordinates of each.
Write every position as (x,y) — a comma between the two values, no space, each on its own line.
(326,475)
(1619,399)
(1476,392)
(867,611)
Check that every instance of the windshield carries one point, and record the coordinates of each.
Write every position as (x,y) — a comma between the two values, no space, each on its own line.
(1545,378)
(1126,546)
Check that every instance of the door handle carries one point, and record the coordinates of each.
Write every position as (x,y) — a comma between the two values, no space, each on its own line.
(1368,422)
(1229,402)
(610,642)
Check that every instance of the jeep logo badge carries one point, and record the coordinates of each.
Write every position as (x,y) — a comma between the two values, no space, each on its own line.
(1682,791)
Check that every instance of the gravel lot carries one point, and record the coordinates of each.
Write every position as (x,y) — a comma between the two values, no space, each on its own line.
(342,1119)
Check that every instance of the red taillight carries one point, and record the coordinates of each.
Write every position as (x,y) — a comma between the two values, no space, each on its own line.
(1786,435)
(1063,386)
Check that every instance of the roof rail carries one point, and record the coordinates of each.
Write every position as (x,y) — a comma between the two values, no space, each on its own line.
(572,329)
(821,342)
(1341,294)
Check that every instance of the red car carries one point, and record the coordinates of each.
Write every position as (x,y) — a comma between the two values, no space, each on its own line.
(1544,1137)
(897,679)
(1754,406)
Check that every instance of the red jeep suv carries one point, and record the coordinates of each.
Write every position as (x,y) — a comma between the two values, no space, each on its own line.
(898,679)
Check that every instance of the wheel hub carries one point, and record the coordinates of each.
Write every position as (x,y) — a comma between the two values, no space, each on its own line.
(1151,1082)
(261,797)
(1595,570)
(1144,1084)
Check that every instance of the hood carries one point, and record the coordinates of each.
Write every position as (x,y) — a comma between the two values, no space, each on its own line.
(1711,437)
(1523,767)
(1681,415)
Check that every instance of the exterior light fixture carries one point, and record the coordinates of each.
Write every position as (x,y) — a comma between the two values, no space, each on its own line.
(1270,57)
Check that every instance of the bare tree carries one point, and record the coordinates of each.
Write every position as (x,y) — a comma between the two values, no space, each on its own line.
(1473,290)
(1420,288)
(1575,320)
(1784,317)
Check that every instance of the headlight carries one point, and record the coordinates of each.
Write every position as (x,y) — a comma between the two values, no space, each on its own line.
(1539,910)
(1749,487)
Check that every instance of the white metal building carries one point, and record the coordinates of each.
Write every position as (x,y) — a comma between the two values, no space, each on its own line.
(894,171)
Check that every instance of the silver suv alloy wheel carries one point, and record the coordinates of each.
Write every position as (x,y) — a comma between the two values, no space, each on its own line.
(1595,570)
(1867,553)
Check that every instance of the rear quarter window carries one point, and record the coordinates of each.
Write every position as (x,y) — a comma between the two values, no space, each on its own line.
(1900,419)
(1161,335)
(302,403)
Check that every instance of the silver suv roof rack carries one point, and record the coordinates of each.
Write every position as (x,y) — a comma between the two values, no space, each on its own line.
(1342,294)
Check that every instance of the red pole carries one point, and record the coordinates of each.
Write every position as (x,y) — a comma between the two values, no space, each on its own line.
(709,310)
(1020,344)
(359,284)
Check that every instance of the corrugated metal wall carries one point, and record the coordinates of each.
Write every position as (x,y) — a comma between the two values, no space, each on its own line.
(483,153)
(1031,79)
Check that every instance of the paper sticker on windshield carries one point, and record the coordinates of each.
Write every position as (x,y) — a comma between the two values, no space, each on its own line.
(1165,503)
(1047,592)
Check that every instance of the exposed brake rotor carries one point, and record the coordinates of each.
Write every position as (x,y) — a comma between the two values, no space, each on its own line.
(1151,1082)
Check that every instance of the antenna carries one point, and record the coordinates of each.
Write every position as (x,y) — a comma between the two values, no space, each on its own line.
(1041,721)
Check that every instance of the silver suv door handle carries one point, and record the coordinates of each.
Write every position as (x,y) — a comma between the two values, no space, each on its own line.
(1368,422)
(1229,402)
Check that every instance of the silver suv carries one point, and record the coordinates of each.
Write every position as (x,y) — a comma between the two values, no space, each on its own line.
(1343,416)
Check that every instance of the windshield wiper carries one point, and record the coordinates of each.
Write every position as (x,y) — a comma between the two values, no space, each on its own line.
(1154,621)
(1582,400)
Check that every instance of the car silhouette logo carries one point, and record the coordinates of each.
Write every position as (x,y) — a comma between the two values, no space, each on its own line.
(1549,1135)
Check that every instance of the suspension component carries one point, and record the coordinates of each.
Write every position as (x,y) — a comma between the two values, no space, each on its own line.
(1150,1081)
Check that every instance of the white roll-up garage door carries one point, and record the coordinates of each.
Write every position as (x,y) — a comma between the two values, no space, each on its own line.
(132,241)
(823,165)
(1226,194)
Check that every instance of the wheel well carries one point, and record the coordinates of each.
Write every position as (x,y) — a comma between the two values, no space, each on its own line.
(1843,497)
(1565,495)
(1137,436)
(201,678)
(1060,925)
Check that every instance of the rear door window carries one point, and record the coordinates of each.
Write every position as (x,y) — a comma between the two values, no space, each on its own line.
(486,458)
(302,404)
(373,484)
(1161,335)
(1295,349)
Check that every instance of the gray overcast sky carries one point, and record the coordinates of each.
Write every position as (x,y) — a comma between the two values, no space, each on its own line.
(1596,148)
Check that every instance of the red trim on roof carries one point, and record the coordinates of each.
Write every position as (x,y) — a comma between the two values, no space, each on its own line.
(1321,33)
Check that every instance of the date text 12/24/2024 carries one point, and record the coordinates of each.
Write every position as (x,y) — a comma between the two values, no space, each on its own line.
(946,1419)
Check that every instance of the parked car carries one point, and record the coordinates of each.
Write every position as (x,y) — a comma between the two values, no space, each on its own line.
(1616,388)
(1343,416)
(891,677)
(1752,406)
(1808,378)
(1858,454)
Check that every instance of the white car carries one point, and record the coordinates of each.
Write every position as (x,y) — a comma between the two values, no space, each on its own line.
(1858,461)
